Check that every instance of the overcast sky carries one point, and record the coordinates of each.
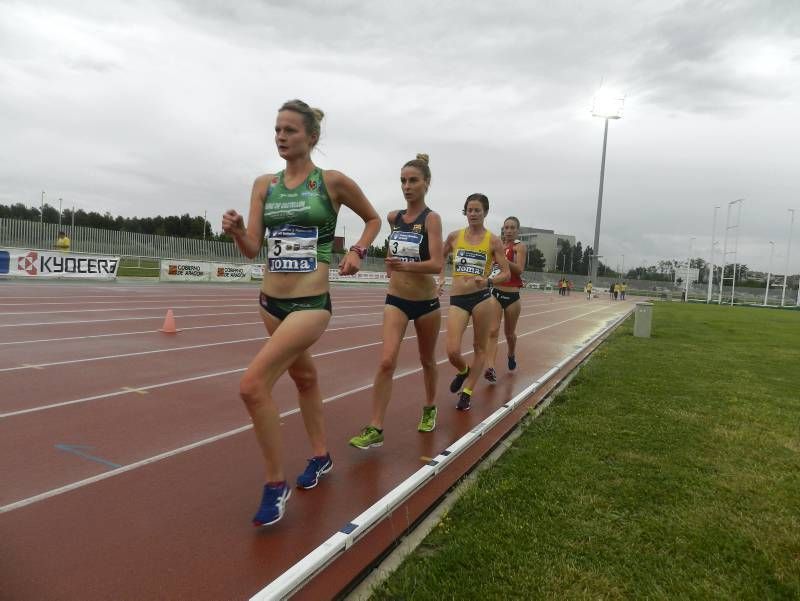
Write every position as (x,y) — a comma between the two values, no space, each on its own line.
(165,107)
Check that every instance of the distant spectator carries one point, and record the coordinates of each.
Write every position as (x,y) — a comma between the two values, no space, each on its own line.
(62,243)
(588,290)
(616,290)
(622,290)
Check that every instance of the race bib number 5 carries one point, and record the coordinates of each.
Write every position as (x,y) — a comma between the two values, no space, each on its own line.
(469,262)
(405,245)
(292,249)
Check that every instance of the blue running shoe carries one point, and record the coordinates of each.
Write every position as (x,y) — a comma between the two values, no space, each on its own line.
(273,504)
(512,363)
(316,468)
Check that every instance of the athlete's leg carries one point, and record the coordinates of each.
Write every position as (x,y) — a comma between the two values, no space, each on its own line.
(510,329)
(427,328)
(289,340)
(482,316)
(457,320)
(395,322)
(494,332)
(309,397)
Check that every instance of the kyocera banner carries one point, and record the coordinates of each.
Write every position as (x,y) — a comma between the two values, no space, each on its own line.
(47,264)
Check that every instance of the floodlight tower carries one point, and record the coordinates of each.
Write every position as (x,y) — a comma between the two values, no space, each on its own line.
(711,261)
(607,105)
(688,266)
(788,251)
(769,271)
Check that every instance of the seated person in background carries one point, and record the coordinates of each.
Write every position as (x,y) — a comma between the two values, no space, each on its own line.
(62,243)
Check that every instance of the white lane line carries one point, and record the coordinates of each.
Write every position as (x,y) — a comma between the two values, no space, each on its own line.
(216,374)
(168,350)
(206,441)
(158,317)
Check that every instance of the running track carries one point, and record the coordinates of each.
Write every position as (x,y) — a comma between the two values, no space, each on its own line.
(127,466)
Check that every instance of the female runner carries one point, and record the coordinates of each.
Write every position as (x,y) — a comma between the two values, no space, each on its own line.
(415,247)
(298,208)
(507,296)
(473,250)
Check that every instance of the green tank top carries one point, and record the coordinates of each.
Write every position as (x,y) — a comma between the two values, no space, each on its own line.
(300,224)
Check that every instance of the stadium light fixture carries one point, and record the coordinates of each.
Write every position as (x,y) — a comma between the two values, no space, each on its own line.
(769,271)
(711,261)
(788,252)
(607,105)
(688,267)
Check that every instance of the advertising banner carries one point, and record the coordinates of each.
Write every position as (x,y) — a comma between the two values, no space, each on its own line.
(184,271)
(230,272)
(23,263)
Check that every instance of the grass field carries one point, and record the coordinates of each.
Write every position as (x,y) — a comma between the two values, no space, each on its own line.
(668,469)
(147,268)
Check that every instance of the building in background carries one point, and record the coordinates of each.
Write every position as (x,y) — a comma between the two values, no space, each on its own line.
(546,241)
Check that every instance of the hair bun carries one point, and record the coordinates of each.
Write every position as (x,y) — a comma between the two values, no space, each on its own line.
(318,114)
(423,157)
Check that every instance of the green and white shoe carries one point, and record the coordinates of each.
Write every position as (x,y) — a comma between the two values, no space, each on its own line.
(369,437)
(428,421)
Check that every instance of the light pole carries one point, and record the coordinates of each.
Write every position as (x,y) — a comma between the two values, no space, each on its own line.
(711,261)
(688,266)
(607,105)
(769,271)
(788,252)
(59,214)
(41,221)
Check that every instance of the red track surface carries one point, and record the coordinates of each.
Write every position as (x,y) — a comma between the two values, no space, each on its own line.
(86,365)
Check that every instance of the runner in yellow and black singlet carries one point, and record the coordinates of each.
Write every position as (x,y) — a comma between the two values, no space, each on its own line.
(473,249)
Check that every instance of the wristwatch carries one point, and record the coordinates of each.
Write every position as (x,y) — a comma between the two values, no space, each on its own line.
(360,251)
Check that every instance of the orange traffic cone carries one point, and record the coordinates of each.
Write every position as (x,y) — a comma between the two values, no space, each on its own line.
(169,324)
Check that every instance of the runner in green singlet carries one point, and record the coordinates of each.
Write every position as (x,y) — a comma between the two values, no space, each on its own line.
(297,208)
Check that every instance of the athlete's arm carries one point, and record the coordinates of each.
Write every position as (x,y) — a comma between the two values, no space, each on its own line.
(499,254)
(447,248)
(249,239)
(344,191)
(433,226)
(517,266)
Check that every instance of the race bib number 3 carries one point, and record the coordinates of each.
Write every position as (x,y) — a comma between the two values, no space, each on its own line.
(292,249)
(469,262)
(405,245)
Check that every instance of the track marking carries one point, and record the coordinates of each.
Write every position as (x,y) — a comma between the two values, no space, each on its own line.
(126,468)
(132,389)
(207,345)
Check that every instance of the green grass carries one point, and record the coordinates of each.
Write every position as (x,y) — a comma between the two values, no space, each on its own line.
(130,267)
(668,469)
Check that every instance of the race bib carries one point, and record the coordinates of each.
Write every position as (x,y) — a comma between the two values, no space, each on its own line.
(495,270)
(469,262)
(405,245)
(292,249)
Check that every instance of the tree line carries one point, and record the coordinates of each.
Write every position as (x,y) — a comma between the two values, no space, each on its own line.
(180,226)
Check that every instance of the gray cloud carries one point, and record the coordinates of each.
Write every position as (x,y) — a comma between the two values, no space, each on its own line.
(168,107)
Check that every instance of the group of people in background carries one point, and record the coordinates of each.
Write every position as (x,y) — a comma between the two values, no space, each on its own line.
(617,290)
(564,287)
(297,209)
